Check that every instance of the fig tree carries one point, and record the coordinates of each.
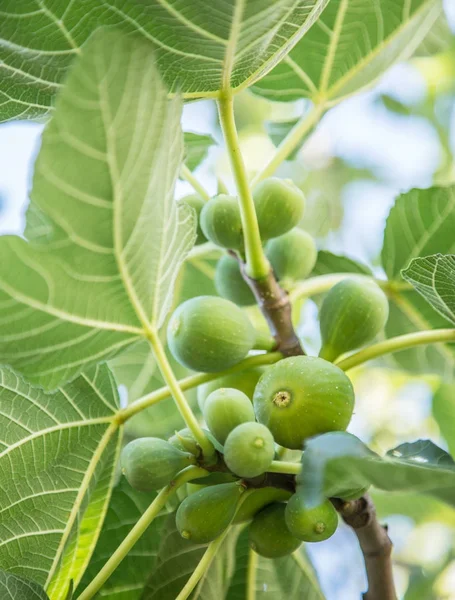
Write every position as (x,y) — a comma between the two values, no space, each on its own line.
(197,202)
(151,463)
(279,206)
(204,515)
(269,535)
(230,284)
(245,381)
(259,499)
(226,408)
(352,314)
(249,449)
(310,524)
(209,334)
(292,255)
(302,396)
(221,222)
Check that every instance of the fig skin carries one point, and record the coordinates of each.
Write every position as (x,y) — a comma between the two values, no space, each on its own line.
(352,314)
(245,381)
(210,334)
(257,500)
(197,202)
(226,408)
(230,284)
(249,450)
(221,222)
(302,396)
(269,535)
(310,524)
(292,255)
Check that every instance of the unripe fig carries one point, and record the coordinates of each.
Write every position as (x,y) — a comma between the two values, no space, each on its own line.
(226,408)
(197,202)
(245,381)
(221,222)
(279,206)
(204,515)
(184,440)
(292,255)
(230,284)
(209,334)
(151,463)
(269,535)
(249,450)
(302,396)
(257,500)
(352,314)
(310,524)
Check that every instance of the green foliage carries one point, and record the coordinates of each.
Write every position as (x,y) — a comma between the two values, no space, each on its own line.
(245,381)
(204,515)
(249,449)
(226,408)
(293,255)
(197,203)
(269,535)
(196,148)
(221,222)
(302,396)
(352,314)
(13,587)
(327,263)
(444,413)
(230,284)
(279,205)
(210,334)
(310,524)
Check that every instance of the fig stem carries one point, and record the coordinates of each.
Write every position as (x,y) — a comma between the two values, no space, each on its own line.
(185,173)
(257,265)
(290,468)
(291,142)
(396,344)
(251,575)
(139,529)
(192,381)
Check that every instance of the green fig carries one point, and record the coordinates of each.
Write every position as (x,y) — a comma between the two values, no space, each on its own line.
(209,334)
(245,381)
(230,284)
(221,222)
(151,463)
(257,500)
(279,206)
(352,314)
(184,440)
(197,202)
(204,515)
(292,255)
(226,408)
(302,396)
(310,524)
(249,450)
(269,535)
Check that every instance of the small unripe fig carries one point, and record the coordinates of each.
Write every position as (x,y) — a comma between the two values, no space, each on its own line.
(221,222)
(302,396)
(209,334)
(226,408)
(257,500)
(230,284)
(204,515)
(279,206)
(151,463)
(249,450)
(352,314)
(245,381)
(184,440)
(269,535)
(310,524)
(292,255)
(196,202)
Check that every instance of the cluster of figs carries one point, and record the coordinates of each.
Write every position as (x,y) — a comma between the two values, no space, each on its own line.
(252,415)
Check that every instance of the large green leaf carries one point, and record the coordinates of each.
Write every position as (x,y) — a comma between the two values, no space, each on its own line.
(434,278)
(104,272)
(201,47)
(336,462)
(350,46)
(444,413)
(420,223)
(289,577)
(125,509)
(196,148)
(58,455)
(18,588)
(328,263)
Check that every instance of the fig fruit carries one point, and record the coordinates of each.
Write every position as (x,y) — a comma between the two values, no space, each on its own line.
(185,441)
(249,450)
(302,396)
(230,284)
(292,255)
(352,314)
(310,524)
(257,500)
(221,222)
(279,206)
(204,515)
(269,535)
(151,463)
(245,381)
(197,202)
(209,334)
(226,408)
